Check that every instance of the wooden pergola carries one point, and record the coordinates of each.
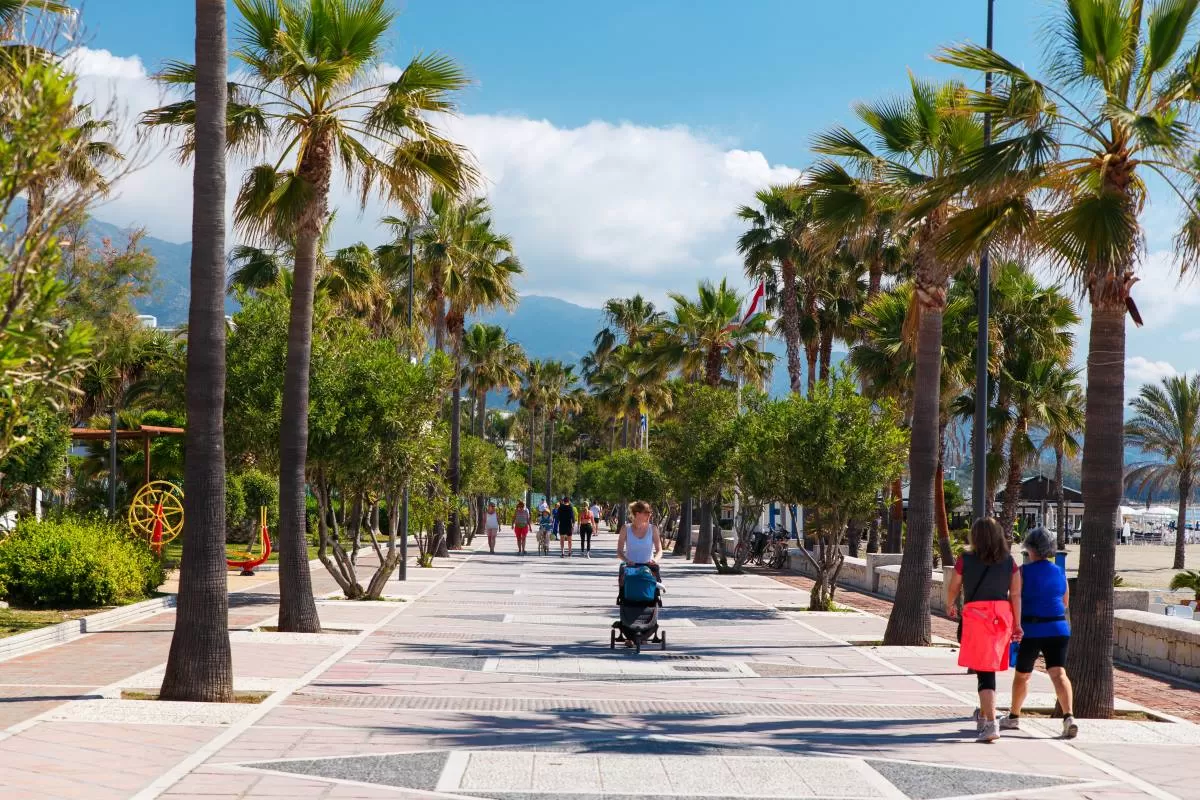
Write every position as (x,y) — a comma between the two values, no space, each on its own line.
(143,432)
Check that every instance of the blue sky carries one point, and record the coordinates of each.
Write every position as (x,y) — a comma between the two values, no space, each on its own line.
(619,138)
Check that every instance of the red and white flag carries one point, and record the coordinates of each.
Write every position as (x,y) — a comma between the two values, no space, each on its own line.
(755,299)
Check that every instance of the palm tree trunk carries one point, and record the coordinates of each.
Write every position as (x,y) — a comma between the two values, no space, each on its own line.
(1060,496)
(1185,492)
(826,353)
(790,318)
(200,664)
(1090,659)
(705,540)
(297,607)
(453,529)
(909,622)
(683,539)
(549,456)
(811,357)
(896,519)
(532,456)
(1012,486)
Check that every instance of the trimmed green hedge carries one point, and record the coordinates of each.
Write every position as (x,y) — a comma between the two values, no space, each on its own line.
(76,563)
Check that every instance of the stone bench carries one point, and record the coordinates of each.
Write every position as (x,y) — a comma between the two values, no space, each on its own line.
(889,577)
(1170,645)
(854,574)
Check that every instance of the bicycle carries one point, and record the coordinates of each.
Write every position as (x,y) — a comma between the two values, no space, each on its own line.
(765,549)
(543,539)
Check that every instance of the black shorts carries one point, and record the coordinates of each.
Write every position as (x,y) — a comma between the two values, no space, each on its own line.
(1052,648)
(564,532)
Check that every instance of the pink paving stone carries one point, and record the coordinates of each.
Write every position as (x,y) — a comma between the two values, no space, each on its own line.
(264,660)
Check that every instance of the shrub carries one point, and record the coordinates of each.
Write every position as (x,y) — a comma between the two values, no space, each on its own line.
(235,509)
(75,562)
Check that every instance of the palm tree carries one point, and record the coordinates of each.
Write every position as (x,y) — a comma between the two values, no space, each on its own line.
(200,663)
(1070,168)
(1062,432)
(81,166)
(492,362)
(1166,422)
(629,320)
(921,139)
(562,395)
(311,87)
(781,234)
(706,340)
(531,394)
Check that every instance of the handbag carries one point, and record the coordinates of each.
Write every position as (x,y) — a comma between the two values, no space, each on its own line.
(978,583)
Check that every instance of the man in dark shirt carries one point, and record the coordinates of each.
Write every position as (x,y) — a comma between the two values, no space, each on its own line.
(564,518)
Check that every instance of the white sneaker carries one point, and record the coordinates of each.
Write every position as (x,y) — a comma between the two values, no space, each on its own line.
(1010,723)
(977,718)
(989,733)
(1070,729)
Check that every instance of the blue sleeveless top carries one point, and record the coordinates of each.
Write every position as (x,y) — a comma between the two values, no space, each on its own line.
(1042,587)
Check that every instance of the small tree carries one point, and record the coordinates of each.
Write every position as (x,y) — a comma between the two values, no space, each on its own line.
(829,451)
(697,449)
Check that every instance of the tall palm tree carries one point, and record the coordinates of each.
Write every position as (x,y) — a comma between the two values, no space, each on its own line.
(1166,423)
(1070,166)
(629,320)
(1062,438)
(492,362)
(475,273)
(562,396)
(531,394)
(200,663)
(81,166)
(310,85)
(782,233)
(916,142)
(706,340)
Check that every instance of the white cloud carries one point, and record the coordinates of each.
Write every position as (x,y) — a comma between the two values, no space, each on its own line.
(1140,371)
(596,211)
(1161,294)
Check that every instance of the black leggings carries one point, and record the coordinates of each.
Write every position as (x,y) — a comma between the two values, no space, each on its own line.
(585,537)
(985,681)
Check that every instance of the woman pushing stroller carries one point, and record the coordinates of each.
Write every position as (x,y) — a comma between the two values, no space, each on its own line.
(639,543)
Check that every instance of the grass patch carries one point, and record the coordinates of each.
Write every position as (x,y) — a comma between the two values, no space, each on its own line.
(1125,714)
(173,552)
(879,643)
(245,698)
(332,631)
(836,609)
(14,621)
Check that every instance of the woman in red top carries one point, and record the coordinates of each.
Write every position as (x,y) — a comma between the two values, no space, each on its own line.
(991,614)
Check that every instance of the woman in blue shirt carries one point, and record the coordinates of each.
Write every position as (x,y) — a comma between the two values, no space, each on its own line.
(1044,603)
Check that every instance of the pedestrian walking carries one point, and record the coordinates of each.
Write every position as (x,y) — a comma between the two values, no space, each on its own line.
(521,526)
(597,516)
(586,523)
(492,526)
(638,544)
(991,615)
(1044,602)
(564,521)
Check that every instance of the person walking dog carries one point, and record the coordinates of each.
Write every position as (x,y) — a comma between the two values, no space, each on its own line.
(991,615)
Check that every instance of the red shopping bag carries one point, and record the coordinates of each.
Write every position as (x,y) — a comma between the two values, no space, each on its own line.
(987,633)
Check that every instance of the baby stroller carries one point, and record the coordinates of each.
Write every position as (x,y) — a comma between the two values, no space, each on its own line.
(641,597)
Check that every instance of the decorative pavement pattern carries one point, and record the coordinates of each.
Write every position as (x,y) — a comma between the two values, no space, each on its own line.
(494,679)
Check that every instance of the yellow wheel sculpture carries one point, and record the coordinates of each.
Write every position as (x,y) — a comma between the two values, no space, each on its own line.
(156,513)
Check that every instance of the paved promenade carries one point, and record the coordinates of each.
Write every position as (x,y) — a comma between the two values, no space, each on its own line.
(495,680)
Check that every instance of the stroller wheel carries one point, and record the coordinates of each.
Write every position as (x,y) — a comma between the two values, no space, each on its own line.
(662,640)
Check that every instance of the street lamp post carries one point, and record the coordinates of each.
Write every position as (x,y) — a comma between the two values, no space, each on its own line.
(404,501)
(980,439)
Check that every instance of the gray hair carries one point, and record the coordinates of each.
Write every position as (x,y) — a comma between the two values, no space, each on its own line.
(1040,543)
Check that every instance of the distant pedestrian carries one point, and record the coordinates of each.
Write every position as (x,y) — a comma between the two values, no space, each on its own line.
(596,515)
(991,615)
(1044,602)
(586,527)
(521,526)
(564,521)
(492,526)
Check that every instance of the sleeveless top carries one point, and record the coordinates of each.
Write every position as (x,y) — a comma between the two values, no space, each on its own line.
(585,515)
(993,580)
(1043,585)
(521,518)
(493,522)
(639,551)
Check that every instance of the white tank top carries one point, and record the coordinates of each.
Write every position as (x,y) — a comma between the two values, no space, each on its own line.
(492,523)
(639,551)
